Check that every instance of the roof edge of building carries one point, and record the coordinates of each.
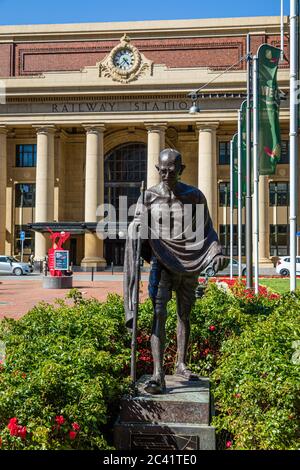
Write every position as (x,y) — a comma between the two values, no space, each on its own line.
(77,29)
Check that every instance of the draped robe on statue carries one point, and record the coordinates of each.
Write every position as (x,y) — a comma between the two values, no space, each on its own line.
(176,228)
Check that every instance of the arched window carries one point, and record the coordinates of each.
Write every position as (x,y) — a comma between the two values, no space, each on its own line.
(125,168)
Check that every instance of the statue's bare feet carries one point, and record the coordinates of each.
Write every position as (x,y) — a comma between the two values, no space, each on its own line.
(183,371)
(156,385)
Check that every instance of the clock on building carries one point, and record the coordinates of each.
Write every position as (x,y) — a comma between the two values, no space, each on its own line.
(124,59)
(124,63)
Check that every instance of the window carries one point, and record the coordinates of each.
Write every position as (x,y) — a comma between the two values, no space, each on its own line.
(25,195)
(124,169)
(3,259)
(224,153)
(224,194)
(285,152)
(279,194)
(224,231)
(28,242)
(279,240)
(26,155)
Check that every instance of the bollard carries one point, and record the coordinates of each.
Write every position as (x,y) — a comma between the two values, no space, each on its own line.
(112,267)
(92,274)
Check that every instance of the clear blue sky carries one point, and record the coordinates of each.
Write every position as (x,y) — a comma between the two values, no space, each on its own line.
(76,11)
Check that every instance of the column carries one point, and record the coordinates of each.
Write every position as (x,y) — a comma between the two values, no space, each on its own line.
(156,143)
(3,184)
(44,206)
(207,167)
(263,219)
(94,194)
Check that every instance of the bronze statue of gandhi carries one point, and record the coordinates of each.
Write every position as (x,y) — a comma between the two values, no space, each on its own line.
(179,241)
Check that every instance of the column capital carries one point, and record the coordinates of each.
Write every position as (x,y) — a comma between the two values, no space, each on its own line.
(155,126)
(207,126)
(94,128)
(45,128)
(3,130)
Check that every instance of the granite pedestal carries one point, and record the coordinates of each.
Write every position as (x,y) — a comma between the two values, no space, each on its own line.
(53,282)
(177,420)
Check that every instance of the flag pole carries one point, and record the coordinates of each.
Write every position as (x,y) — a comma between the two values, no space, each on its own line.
(293,139)
(240,196)
(231,208)
(249,234)
(281,31)
(256,173)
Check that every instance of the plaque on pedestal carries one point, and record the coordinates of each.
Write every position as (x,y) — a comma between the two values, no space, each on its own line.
(176,420)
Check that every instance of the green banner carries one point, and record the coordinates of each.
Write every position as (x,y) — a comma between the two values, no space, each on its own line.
(268,109)
(244,148)
(243,110)
(235,151)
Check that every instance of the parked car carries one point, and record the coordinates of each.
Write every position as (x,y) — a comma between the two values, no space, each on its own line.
(10,265)
(283,266)
(210,272)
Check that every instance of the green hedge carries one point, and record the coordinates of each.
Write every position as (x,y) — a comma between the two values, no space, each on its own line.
(257,382)
(67,366)
(65,369)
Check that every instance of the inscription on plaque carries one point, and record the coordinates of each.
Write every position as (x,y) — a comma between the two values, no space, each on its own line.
(163,442)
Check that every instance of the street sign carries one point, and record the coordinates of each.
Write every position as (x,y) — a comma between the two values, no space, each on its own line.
(22,235)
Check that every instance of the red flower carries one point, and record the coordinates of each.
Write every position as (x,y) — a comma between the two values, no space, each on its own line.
(212,328)
(13,426)
(228,444)
(75,426)
(59,420)
(22,432)
(237,395)
(15,429)
(72,435)
(0,442)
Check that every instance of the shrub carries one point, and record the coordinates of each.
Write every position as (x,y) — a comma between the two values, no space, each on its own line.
(65,370)
(215,317)
(257,384)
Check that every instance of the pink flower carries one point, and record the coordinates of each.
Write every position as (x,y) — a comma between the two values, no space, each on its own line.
(75,426)
(228,444)
(59,420)
(72,435)
(237,395)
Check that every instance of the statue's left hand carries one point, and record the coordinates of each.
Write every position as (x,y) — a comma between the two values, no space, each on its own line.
(220,262)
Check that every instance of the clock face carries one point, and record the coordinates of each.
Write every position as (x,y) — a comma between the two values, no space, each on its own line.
(124,59)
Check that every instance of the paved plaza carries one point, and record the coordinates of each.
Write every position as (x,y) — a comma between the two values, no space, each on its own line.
(19,295)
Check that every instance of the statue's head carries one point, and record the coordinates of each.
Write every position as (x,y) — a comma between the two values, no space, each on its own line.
(170,166)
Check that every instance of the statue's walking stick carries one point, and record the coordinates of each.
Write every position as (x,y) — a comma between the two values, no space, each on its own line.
(135,302)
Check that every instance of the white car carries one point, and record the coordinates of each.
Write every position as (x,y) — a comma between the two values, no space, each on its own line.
(283,266)
(10,265)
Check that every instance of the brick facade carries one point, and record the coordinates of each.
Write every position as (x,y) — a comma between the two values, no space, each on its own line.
(36,58)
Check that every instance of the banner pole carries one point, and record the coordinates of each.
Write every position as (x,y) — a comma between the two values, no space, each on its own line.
(249,233)
(281,31)
(256,173)
(240,196)
(293,139)
(231,209)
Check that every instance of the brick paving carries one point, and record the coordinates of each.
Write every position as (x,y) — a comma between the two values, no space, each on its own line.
(18,296)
